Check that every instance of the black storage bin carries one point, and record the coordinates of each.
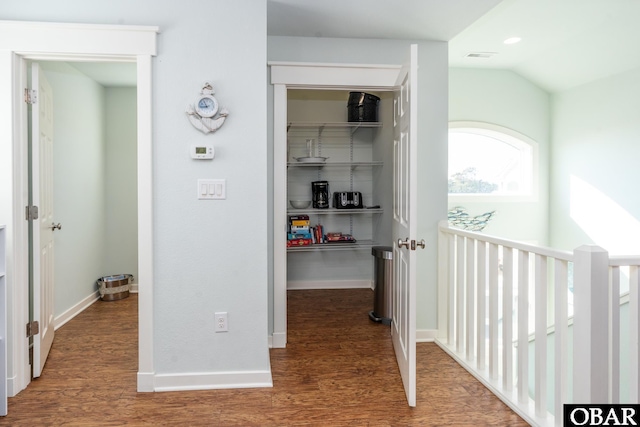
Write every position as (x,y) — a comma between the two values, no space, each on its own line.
(383,282)
(362,107)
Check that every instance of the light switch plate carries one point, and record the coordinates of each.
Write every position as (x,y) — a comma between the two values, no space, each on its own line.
(212,189)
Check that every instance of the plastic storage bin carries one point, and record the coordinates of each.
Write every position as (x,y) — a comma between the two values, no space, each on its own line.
(362,107)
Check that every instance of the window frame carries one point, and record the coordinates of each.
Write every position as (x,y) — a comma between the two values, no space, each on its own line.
(498,132)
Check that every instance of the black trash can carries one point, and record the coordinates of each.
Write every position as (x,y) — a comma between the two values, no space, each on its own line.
(383,282)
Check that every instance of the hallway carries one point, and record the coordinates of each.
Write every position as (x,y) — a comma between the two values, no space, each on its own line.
(338,370)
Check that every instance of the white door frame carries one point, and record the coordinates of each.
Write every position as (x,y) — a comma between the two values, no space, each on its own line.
(290,75)
(21,41)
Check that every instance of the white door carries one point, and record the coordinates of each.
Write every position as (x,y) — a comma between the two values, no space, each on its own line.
(43,230)
(403,324)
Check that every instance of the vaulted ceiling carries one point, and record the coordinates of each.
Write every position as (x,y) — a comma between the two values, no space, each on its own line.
(565,43)
(380,19)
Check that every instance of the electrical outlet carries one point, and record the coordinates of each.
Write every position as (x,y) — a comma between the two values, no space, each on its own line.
(221,322)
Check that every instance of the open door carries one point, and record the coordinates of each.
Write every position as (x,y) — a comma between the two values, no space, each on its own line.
(43,227)
(405,146)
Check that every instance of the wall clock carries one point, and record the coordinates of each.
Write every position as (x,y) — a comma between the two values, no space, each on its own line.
(206,106)
(205,114)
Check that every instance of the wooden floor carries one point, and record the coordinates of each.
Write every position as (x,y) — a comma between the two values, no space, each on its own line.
(337,370)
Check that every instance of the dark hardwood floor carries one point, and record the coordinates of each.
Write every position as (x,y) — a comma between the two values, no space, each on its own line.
(338,369)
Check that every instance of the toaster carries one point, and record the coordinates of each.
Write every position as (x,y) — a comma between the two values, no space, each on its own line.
(347,200)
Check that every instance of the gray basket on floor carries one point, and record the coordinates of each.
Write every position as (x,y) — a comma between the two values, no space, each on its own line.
(116,287)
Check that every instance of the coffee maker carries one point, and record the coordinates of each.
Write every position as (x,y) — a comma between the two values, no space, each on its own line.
(320,192)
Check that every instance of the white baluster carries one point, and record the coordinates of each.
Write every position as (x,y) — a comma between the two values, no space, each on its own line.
(493,311)
(507,318)
(541,335)
(471,302)
(590,325)
(561,336)
(523,326)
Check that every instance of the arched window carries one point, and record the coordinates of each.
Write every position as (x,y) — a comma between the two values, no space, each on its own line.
(488,160)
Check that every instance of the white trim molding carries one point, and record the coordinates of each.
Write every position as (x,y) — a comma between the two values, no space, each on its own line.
(13,191)
(426,335)
(296,75)
(77,39)
(78,308)
(213,380)
(146,381)
(372,77)
(145,219)
(22,41)
(278,340)
(329,284)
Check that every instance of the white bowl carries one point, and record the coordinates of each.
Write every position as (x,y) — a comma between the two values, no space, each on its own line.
(311,159)
(300,204)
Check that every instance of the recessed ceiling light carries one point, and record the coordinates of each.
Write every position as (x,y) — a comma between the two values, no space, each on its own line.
(485,55)
(512,40)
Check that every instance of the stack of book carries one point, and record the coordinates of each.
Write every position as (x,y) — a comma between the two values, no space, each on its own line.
(299,232)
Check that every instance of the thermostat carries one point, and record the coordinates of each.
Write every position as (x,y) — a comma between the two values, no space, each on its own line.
(203,151)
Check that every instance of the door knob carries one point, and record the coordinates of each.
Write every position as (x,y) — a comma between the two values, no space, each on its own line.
(405,243)
(414,244)
(54,226)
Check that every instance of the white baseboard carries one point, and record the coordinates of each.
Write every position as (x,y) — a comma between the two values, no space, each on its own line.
(329,284)
(426,335)
(15,384)
(11,387)
(146,382)
(278,340)
(211,381)
(63,318)
(133,288)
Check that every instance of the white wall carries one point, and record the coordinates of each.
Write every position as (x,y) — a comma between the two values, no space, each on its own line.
(208,255)
(79,183)
(504,98)
(120,170)
(432,133)
(594,165)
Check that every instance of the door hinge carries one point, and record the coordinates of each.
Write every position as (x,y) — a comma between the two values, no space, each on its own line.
(33,328)
(31,213)
(30,96)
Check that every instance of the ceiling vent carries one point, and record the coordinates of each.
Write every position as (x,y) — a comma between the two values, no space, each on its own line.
(485,55)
